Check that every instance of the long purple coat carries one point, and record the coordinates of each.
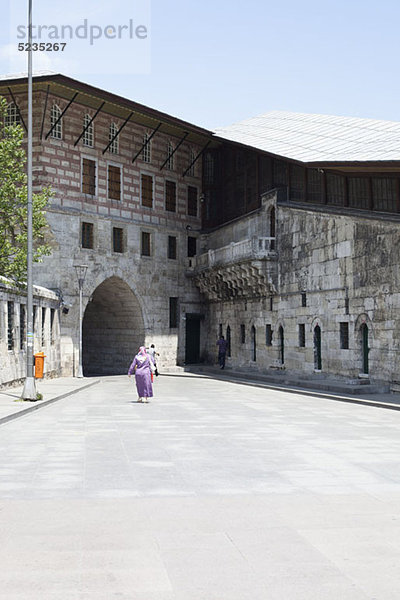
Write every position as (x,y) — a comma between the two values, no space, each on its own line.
(142,376)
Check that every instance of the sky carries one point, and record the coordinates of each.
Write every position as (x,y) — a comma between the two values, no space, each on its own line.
(218,62)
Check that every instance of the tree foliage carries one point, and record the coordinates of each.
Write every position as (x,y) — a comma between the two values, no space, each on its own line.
(14,204)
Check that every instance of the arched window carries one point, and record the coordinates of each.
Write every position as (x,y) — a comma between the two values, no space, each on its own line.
(228,341)
(56,122)
(12,115)
(88,137)
(253,344)
(364,348)
(114,146)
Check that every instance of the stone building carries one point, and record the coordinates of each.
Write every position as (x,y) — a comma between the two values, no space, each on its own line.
(281,232)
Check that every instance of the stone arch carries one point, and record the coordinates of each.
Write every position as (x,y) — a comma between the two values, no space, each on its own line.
(112,328)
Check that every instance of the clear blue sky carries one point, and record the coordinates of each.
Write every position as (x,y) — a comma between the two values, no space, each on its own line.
(217,62)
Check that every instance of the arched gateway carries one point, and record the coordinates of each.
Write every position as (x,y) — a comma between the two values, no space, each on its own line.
(112,329)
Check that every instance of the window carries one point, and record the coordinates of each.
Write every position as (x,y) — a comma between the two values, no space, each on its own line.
(55,115)
(146,152)
(192,201)
(242,334)
(191,248)
(12,115)
(52,332)
(297,182)
(172,247)
(220,334)
(344,336)
(253,344)
(335,189)
(22,326)
(88,136)
(10,325)
(271,303)
(43,326)
(147,190)
(192,157)
(118,239)
(314,185)
(268,335)
(89,176)
(347,306)
(302,335)
(173,313)
(114,146)
(170,196)
(114,182)
(208,168)
(359,192)
(146,244)
(304,299)
(228,341)
(87,235)
(170,157)
(384,194)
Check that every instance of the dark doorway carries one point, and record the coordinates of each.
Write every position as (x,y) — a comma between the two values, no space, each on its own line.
(112,329)
(317,348)
(192,342)
(364,348)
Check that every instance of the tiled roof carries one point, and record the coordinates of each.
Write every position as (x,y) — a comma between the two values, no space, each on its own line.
(318,138)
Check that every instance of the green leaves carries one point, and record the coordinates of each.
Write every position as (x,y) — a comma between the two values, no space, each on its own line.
(14,204)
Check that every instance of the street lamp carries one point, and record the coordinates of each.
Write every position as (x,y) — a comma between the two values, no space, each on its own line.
(29,391)
(81,274)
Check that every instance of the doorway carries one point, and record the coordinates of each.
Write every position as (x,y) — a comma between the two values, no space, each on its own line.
(192,338)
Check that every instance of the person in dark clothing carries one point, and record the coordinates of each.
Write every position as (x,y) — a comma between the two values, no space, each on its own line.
(222,347)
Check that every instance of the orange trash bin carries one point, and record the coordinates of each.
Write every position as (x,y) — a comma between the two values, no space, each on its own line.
(39,364)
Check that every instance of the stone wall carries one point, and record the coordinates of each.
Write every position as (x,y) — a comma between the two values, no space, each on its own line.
(332,268)
(13,331)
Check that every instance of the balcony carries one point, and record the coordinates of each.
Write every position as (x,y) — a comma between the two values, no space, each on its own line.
(241,270)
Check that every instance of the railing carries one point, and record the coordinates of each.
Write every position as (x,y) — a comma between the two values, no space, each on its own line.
(254,248)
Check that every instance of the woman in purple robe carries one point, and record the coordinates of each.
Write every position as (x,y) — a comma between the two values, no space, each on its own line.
(142,366)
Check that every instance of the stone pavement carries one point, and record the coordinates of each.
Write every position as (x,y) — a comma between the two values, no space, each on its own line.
(213,491)
(12,407)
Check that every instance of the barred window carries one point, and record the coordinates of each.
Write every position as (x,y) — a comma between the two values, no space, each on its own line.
(209,170)
(89,176)
(55,115)
(192,246)
(192,201)
(147,190)
(335,189)
(172,247)
(146,152)
(170,157)
(173,313)
(52,325)
(192,155)
(359,192)
(43,336)
(22,326)
(302,335)
(280,173)
(118,239)
(170,196)
(268,335)
(10,325)
(297,183)
(87,235)
(228,342)
(12,116)
(303,299)
(344,336)
(242,334)
(384,194)
(114,146)
(114,182)
(314,186)
(88,137)
(146,243)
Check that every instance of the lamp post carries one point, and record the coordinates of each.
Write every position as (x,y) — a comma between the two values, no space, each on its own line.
(29,391)
(81,274)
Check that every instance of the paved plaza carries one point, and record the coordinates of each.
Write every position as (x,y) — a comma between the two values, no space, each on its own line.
(213,491)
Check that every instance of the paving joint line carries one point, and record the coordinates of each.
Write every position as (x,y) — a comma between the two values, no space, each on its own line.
(39,404)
